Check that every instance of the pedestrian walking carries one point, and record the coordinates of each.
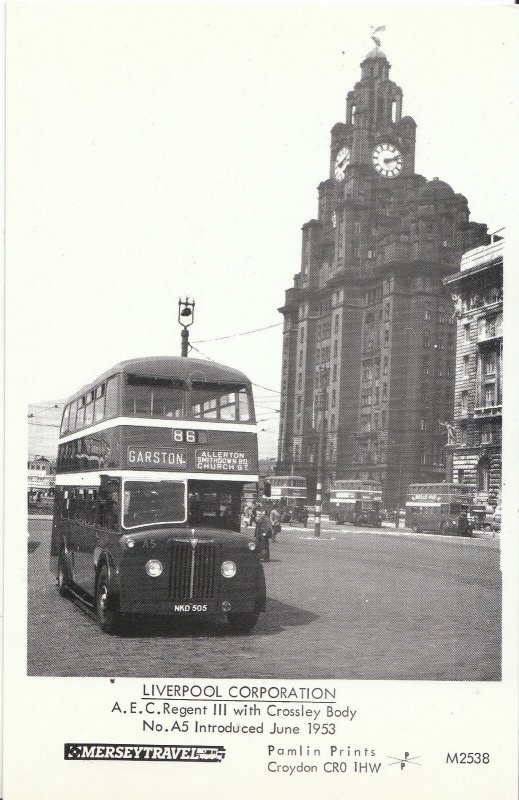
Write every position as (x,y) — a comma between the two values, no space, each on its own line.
(253,516)
(264,535)
(275,521)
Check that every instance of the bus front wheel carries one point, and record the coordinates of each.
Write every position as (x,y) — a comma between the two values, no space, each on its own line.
(242,622)
(106,603)
(416,528)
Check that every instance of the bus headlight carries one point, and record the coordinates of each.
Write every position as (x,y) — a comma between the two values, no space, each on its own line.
(251,545)
(228,569)
(154,568)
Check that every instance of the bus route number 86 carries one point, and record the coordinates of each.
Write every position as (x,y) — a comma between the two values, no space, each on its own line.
(181,435)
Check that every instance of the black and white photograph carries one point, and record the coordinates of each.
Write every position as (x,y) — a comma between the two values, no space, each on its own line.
(264,258)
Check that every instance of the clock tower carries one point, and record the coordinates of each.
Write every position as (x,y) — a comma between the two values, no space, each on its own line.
(368,348)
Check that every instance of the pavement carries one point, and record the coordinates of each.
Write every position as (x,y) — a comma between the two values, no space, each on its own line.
(356,603)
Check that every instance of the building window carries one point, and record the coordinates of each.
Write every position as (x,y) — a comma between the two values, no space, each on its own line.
(386,337)
(428,313)
(384,419)
(486,433)
(464,402)
(448,369)
(490,364)
(465,366)
(490,394)
(462,436)
(298,404)
(461,475)
(335,349)
(356,228)
(334,372)
(300,358)
(483,475)
(333,398)
(385,366)
(442,314)
(300,381)
(466,332)
(384,391)
(425,365)
(423,424)
(336,323)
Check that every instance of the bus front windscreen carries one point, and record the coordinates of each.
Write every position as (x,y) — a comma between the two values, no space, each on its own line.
(153,503)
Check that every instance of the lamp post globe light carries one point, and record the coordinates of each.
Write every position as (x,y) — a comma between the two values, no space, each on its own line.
(186,316)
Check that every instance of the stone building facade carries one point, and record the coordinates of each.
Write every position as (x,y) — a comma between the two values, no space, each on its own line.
(368,340)
(475,454)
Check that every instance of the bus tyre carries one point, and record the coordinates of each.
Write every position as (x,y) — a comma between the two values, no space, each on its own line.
(106,603)
(416,529)
(443,527)
(62,578)
(242,622)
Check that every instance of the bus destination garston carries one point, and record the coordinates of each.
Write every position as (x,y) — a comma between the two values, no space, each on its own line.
(152,459)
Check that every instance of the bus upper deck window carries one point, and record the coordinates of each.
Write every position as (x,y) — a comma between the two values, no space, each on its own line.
(162,398)
(227,402)
(244,406)
(111,398)
(80,418)
(89,408)
(99,404)
(65,420)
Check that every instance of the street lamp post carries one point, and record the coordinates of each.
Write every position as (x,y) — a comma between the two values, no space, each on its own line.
(186,315)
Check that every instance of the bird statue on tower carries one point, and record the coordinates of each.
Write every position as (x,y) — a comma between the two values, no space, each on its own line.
(377,29)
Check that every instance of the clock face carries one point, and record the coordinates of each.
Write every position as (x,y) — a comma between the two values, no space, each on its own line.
(387,160)
(342,159)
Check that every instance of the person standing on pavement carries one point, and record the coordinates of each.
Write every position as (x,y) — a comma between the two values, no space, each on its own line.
(263,536)
(275,521)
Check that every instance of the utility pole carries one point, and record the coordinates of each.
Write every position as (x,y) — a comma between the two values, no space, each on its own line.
(186,315)
(320,455)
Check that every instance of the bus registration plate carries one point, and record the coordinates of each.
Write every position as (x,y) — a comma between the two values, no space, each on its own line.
(196,607)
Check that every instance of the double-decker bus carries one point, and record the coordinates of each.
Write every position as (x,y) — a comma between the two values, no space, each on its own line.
(357,502)
(443,507)
(152,459)
(289,494)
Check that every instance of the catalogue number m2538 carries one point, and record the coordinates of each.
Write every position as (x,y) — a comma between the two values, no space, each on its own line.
(468,758)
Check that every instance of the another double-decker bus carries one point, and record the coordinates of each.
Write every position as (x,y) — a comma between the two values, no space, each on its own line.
(443,507)
(289,494)
(357,502)
(153,456)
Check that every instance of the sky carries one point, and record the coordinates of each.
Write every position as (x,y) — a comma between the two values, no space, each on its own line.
(160,150)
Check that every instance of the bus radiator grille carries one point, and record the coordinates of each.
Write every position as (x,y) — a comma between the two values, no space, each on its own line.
(192,571)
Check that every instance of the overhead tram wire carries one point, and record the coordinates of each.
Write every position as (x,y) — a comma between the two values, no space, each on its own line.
(235,335)
(259,385)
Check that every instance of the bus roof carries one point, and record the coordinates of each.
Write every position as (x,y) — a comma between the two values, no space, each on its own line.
(170,367)
(444,488)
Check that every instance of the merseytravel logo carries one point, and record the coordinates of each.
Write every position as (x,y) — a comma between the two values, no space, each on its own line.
(164,457)
(142,752)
